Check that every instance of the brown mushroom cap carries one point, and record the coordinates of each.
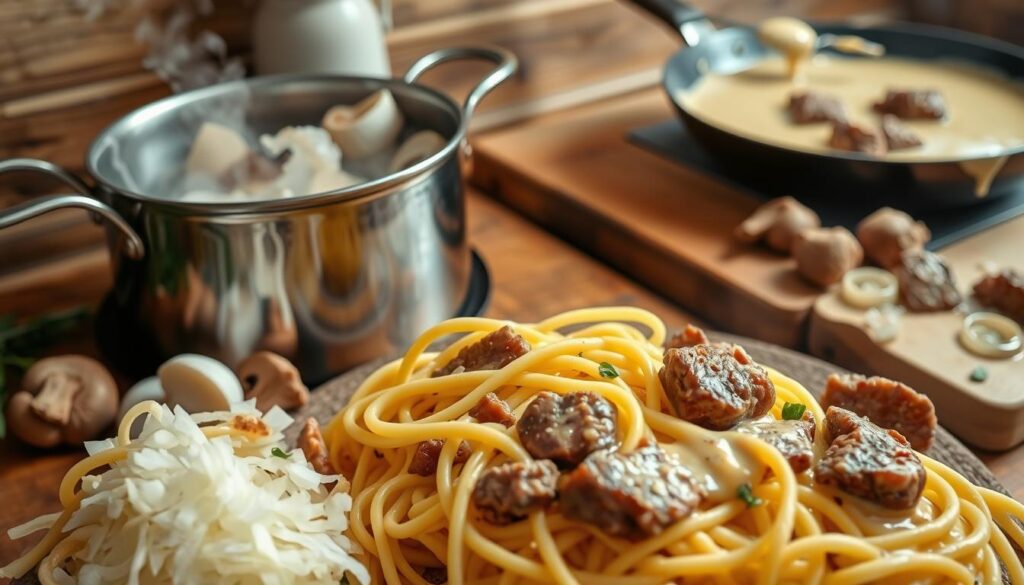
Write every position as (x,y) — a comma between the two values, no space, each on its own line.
(64,399)
(272,380)
(824,255)
(888,232)
(778,223)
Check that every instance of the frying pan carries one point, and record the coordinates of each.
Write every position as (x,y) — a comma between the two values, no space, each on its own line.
(906,185)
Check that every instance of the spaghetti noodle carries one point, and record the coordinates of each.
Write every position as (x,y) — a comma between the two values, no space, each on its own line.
(412,527)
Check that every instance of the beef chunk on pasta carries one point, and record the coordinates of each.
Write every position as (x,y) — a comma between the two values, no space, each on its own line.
(1004,292)
(887,403)
(926,282)
(565,429)
(870,462)
(630,495)
(808,107)
(716,386)
(493,409)
(508,493)
(690,336)
(925,104)
(794,439)
(493,352)
(847,136)
(897,135)
(428,453)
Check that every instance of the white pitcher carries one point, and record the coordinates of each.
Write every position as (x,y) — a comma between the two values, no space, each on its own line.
(319,36)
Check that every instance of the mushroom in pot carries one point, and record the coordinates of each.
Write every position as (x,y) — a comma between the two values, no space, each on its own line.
(273,381)
(64,400)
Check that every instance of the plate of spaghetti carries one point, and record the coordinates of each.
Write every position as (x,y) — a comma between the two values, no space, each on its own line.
(589,448)
(580,450)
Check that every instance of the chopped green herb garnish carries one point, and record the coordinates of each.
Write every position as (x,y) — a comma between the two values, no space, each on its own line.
(793,411)
(607,370)
(277,452)
(979,374)
(746,493)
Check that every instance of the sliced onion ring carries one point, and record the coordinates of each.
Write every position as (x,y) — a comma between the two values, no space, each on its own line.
(991,335)
(868,287)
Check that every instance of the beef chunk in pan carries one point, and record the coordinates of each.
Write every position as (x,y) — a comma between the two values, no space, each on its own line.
(926,282)
(793,438)
(888,404)
(716,386)
(1003,292)
(808,107)
(847,136)
(493,409)
(926,104)
(897,135)
(493,352)
(690,336)
(508,493)
(632,495)
(870,462)
(567,428)
(424,460)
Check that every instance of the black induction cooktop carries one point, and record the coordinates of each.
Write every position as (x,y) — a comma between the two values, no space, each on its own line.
(670,140)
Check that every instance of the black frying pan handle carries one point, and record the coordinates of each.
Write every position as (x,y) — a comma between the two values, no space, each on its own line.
(686,20)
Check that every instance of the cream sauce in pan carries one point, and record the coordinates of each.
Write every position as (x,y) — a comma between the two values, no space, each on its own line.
(984,110)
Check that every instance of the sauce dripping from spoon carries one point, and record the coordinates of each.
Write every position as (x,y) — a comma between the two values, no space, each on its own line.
(796,41)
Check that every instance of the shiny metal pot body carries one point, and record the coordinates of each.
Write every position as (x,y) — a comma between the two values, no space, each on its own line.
(327,280)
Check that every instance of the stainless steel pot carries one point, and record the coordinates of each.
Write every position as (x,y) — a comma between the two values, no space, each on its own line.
(328,280)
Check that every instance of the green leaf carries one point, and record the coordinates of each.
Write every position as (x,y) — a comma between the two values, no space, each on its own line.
(17,361)
(746,493)
(277,452)
(607,370)
(793,411)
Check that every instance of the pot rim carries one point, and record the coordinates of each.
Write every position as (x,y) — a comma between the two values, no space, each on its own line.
(355,192)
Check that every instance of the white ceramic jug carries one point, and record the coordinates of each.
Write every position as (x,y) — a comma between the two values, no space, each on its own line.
(319,36)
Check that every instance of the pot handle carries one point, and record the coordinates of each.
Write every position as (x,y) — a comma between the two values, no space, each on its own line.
(688,21)
(506,62)
(83,200)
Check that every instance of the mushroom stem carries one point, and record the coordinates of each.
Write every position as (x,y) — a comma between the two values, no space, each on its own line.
(53,403)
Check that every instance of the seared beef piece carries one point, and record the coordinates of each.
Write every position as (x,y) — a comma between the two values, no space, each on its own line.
(808,107)
(1003,292)
(493,409)
(435,575)
(869,462)
(846,136)
(311,441)
(690,336)
(493,352)
(925,104)
(793,438)
(632,495)
(508,493)
(926,283)
(716,386)
(897,135)
(424,460)
(567,428)
(888,404)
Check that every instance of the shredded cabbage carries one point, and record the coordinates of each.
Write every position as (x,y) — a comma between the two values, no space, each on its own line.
(185,508)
